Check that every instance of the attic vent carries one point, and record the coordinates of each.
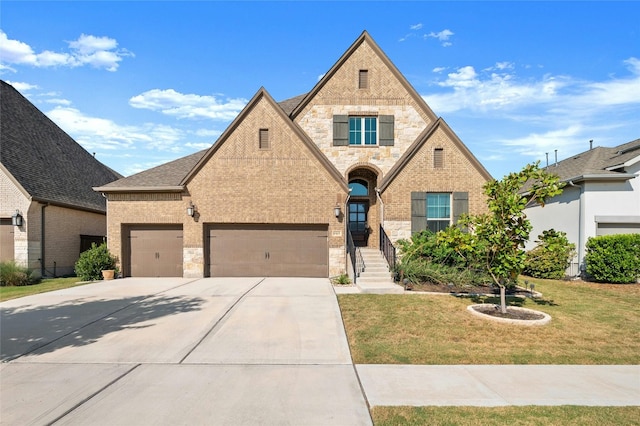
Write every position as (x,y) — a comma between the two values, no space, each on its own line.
(363,79)
(438,158)
(263,139)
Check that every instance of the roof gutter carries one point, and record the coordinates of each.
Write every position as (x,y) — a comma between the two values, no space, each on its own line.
(109,189)
(601,177)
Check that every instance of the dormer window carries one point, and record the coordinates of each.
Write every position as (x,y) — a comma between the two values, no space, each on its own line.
(363,79)
(363,130)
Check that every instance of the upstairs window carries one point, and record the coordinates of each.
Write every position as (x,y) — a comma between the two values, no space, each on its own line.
(363,79)
(363,130)
(359,188)
(371,130)
(263,139)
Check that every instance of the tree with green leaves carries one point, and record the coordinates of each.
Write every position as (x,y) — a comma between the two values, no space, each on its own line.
(496,240)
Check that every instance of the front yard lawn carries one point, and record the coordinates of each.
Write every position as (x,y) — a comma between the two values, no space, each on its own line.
(51,284)
(520,416)
(591,324)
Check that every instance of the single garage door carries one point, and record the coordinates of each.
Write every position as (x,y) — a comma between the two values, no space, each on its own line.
(154,251)
(268,251)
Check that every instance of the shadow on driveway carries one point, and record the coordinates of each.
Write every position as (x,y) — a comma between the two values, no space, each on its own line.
(28,328)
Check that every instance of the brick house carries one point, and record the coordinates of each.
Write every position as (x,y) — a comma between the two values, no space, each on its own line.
(49,212)
(284,185)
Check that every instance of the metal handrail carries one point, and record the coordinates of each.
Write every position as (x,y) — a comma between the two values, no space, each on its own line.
(387,248)
(351,249)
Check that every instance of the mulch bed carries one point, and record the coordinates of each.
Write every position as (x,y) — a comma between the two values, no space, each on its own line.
(517,314)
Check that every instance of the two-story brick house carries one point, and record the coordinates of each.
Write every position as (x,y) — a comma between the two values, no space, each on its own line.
(278,192)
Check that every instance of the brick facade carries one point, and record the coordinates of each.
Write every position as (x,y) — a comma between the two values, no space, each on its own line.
(299,175)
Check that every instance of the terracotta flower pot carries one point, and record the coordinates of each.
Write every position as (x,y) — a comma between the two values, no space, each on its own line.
(108,274)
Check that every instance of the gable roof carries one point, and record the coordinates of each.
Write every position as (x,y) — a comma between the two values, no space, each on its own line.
(263,94)
(46,162)
(600,163)
(420,141)
(364,37)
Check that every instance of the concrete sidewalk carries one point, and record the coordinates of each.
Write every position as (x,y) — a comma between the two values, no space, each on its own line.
(499,385)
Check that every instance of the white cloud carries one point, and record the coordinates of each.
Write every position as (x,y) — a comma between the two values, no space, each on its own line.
(439,69)
(181,105)
(443,36)
(57,101)
(416,27)
(98,52)
(21,86)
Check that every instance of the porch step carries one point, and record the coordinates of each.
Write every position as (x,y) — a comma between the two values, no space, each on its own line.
(376,277)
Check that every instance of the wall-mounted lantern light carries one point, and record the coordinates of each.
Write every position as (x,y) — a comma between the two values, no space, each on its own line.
(336,211)
(191,210)
(16,219)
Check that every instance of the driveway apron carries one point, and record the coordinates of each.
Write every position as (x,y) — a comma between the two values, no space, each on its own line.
(227,351)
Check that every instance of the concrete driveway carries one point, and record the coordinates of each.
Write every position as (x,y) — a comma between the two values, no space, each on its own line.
(179,351)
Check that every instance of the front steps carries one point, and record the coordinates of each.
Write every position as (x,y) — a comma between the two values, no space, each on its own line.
(376,278)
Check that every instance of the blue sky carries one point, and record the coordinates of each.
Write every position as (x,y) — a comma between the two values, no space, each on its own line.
(145,82)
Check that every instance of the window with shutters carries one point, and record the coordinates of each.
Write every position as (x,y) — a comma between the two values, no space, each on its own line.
(363,79)
(437,210)
(370,130)
(438,158)
(263,139)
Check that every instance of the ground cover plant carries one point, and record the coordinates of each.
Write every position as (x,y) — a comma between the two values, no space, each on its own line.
(591,324)
(517,416)
(47,284)
(11,274)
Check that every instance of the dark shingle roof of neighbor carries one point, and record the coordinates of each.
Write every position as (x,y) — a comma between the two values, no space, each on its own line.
(47,162)
(170,175)
(600,161)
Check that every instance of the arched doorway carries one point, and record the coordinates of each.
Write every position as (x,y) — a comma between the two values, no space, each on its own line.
(362,213)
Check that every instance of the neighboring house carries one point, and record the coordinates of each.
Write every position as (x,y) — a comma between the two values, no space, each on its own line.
(49,212)
(278,192)
(602,196)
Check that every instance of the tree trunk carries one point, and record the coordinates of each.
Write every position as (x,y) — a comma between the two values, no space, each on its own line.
(503,299)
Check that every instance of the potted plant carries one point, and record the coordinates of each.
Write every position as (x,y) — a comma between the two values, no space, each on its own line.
(96,263)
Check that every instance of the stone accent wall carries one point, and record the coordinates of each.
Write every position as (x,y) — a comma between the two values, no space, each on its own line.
(386,95)
(397,229)
(12,199)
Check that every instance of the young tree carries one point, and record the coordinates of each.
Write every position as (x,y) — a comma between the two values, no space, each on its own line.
(496,239)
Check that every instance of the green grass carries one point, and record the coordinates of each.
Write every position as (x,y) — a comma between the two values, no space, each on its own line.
(591,324)
(7,293)
(517,416)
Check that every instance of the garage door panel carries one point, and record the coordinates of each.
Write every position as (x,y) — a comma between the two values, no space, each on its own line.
(257,250)
(155,251)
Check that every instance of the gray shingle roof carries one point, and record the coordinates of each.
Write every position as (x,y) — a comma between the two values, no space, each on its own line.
(599,161)
(168,175)
(47,162)
(288,105)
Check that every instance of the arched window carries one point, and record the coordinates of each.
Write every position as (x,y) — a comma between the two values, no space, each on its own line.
(359,188)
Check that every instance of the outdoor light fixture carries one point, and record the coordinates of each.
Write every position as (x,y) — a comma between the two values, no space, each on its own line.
(336,211)
(191,210)
(16,219)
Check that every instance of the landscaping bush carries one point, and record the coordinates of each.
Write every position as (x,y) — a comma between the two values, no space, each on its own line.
(92,262)
(614,258)
(424,245)
(551,257)
(423,271)
(13,275)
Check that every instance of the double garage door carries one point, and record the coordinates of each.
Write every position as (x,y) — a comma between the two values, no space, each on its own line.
(232,251)
(268,251)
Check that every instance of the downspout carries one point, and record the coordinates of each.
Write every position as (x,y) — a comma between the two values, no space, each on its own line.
(42,238)
(580,225)
(346,230)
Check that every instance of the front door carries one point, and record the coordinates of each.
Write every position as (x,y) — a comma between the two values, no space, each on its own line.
(358,222)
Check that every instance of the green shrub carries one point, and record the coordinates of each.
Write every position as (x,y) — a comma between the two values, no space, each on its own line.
(342,279)
(614,258)
(551,257)
(418,271)
(92,262)
(424,245)
(13,275)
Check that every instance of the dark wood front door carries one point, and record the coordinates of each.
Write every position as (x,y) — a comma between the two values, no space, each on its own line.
(358,225)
